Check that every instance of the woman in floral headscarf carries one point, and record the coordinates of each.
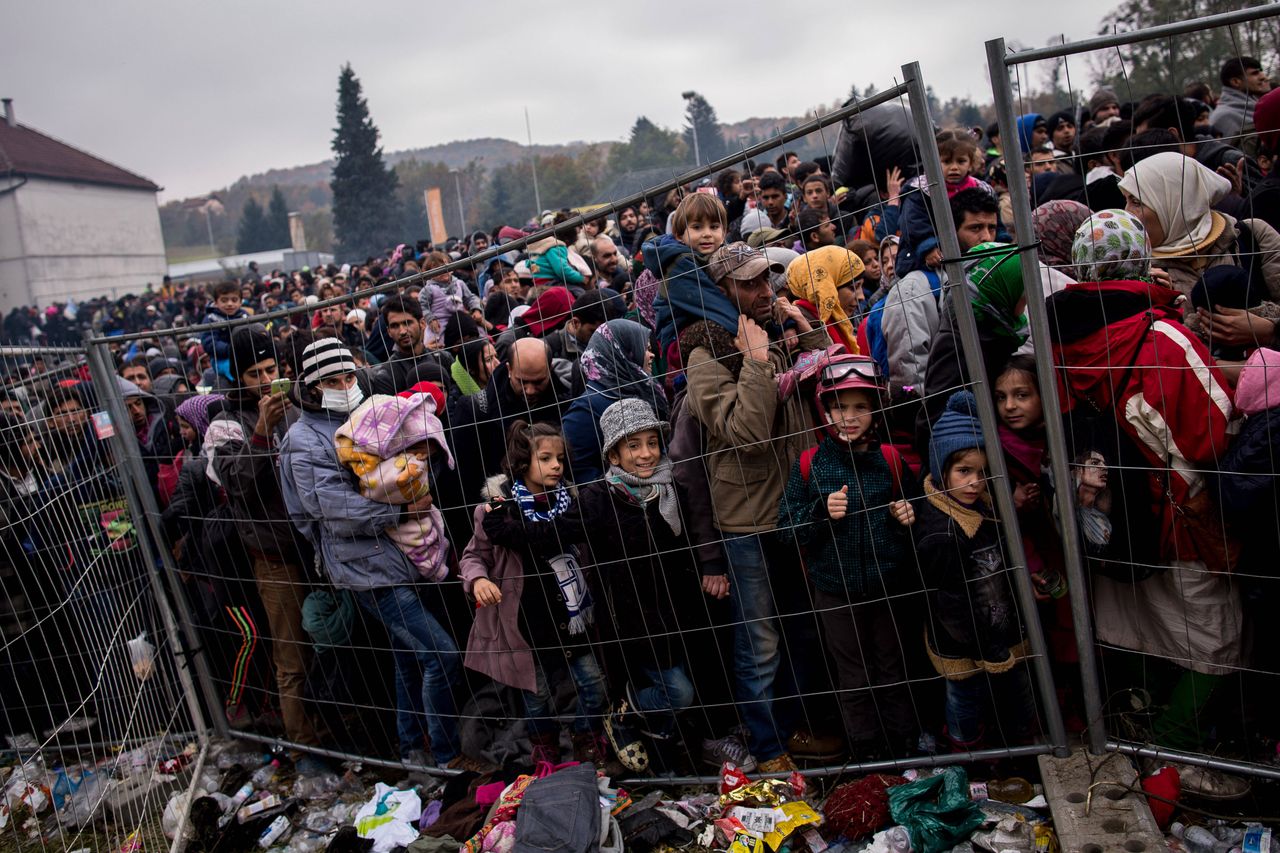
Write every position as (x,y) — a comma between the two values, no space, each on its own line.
(615,365)
(1055,223)
(1145,394)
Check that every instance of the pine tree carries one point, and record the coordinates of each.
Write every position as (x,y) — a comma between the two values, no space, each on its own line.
(366,215)
(252,235)
(701,118)
(649,147)
(278,221)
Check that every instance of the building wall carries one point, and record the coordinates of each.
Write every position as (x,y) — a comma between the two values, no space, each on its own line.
(13,266)
(80,241)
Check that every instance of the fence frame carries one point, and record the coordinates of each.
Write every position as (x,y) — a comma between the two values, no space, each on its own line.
(913,88)
(186,645)
(1001,66)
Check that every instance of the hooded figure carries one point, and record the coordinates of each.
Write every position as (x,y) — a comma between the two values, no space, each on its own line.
(817,277)
(391,444)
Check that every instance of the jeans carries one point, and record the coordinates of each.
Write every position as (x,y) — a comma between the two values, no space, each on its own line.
(589,686)
(756,637)
(668,690)
(282,587)
(424,654)
(990,710)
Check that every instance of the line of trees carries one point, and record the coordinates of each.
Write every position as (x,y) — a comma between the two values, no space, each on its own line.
(261,230)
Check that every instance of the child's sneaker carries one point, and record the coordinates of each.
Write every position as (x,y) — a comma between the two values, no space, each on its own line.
(731,749)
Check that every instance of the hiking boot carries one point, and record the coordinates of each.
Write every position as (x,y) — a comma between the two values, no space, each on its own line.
(779,764)
(811,747)
(729,749)
(473,765)
(592,748)
(546,748)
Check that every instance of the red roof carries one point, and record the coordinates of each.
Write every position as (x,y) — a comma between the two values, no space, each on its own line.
(24,151)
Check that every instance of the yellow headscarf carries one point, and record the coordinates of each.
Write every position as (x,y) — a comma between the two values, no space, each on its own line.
(815,276)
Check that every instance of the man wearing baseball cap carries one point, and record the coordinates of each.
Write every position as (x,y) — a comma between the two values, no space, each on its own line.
(753,438)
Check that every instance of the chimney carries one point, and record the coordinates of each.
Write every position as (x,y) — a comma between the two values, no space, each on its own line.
(10,117)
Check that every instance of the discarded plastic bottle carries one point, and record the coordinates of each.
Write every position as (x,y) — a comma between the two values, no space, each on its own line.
(1197,839)
(263,775)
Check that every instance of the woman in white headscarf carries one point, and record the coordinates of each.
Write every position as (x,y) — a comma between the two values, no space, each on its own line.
(1173,196)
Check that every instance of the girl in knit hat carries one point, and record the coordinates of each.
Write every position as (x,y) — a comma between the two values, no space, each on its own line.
(974,634)
(649,576)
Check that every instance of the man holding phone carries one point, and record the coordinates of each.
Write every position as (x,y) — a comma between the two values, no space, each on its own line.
(242,444)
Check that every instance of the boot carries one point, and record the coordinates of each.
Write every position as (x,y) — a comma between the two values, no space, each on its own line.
(546,748)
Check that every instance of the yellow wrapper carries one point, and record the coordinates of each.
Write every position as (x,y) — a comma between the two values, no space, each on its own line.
(796,815)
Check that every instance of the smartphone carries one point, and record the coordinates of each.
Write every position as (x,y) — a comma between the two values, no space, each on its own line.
(281,386)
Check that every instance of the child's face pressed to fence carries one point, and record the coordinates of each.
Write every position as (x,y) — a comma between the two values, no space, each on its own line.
(546,468)
(704,236)
(638,453)
(1018,400)
(851,411)
(966,476)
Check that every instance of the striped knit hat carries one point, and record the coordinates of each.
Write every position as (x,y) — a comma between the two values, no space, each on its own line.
(324,358)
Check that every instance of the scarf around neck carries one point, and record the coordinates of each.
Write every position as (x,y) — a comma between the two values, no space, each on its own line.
(661,483)
(569,576)
(969,518)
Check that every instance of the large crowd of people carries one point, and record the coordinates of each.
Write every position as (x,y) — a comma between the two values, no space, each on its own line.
(705,477)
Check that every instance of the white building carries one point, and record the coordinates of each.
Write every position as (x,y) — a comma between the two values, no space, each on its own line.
(71,226)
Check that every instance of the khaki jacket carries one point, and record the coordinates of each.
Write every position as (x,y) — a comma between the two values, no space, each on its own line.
(752,438)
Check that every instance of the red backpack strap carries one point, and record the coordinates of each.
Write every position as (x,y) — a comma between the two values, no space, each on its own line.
(894,460)
(806,463)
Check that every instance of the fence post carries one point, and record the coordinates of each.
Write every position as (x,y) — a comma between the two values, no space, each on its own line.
(141,500)
(968,327)
(1055,433)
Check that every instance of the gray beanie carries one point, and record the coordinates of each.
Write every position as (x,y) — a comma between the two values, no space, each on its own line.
(628,417)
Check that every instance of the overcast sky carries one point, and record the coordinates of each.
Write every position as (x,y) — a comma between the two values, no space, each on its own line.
(195,94)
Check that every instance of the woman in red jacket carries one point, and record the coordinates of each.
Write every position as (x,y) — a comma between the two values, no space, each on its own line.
(1144,391)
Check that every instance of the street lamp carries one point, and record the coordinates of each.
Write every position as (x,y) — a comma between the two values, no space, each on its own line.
(462,216)
(693,127)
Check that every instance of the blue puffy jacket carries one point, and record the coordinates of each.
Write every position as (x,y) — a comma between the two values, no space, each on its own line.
(686,294)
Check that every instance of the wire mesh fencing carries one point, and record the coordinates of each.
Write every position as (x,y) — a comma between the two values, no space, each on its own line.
(402,525)
(1134,207)
(93,699)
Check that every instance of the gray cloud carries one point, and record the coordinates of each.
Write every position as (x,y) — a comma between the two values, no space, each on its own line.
(193,95)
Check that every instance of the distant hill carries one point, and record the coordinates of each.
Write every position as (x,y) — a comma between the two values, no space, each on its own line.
(306,188)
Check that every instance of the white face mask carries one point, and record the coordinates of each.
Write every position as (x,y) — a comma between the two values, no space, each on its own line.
(341,400)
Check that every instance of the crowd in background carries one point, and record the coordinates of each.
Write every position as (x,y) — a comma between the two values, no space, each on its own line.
(706,473)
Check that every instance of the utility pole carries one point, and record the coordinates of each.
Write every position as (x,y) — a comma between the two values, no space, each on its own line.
(462,216)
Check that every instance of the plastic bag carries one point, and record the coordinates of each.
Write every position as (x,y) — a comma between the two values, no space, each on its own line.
(936,811)
(142,654)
